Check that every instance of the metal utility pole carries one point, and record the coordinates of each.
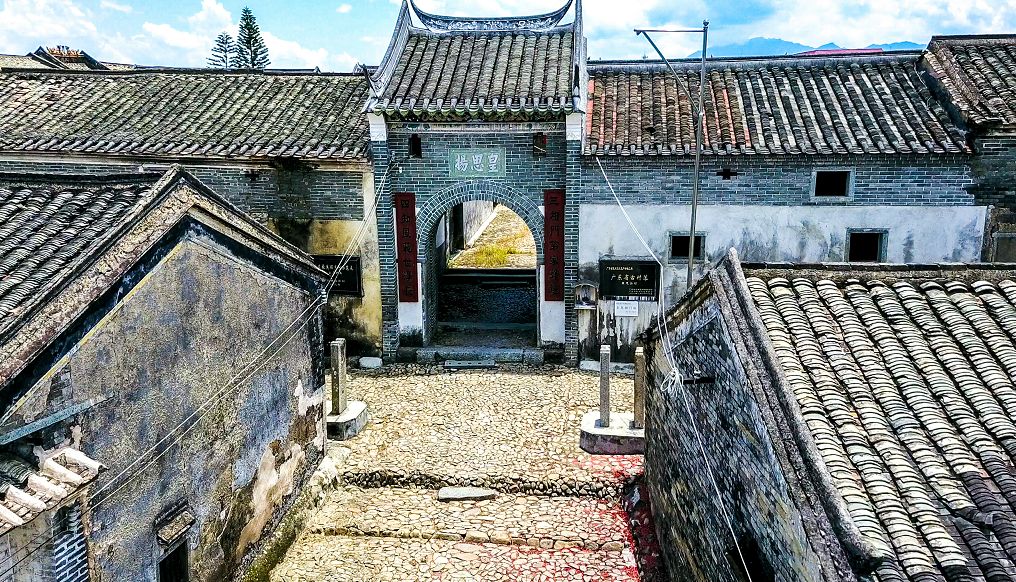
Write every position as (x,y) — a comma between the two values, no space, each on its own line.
(699,115)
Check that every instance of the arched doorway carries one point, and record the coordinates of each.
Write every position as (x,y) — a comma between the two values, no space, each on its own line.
(472,303)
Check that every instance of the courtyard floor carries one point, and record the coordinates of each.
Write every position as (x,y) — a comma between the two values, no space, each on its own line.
(557,515)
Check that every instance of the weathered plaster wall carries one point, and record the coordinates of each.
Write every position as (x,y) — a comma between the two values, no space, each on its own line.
(695,540)
(167,348)
(358,319)
(777,233)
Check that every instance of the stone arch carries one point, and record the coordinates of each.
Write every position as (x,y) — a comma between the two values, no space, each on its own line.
(441,202)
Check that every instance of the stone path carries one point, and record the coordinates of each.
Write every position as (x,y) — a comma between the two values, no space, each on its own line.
(557,515)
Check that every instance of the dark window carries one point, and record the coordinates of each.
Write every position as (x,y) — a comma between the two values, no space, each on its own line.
(415,146)
(679,246)
(865,247)
(748,564)
(173,566)
(1005,249)
(832,183)
(539,144)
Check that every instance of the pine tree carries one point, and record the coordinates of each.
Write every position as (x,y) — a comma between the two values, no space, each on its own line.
(223,52)
(251,52)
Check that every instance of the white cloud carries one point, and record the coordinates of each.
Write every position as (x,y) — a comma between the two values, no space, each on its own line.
(343,8)
(110,5)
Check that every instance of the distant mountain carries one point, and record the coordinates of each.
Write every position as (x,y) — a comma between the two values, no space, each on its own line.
(761,46)
(898,46)
(754,47)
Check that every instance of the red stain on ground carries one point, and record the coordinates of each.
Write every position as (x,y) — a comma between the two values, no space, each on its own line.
(621,468)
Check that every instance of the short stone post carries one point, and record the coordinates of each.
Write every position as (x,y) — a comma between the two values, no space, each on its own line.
(338,376)
(639,421)
(604,386)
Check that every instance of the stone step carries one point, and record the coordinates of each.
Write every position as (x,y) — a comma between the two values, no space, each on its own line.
(435,354)
(607,483)
(337,558)
(521,520)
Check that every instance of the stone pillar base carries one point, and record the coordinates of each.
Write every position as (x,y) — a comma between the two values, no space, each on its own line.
(617,439)
(348,424)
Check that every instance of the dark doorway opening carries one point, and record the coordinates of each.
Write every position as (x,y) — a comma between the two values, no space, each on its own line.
(486,284)
(173,566)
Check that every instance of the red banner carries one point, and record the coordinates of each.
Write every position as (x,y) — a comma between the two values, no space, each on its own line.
(405,246)
(553,245)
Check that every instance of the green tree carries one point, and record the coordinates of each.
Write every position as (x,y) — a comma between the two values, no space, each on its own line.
(222,52)
(251,52)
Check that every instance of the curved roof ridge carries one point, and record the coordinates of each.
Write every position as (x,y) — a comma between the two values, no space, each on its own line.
(440,23)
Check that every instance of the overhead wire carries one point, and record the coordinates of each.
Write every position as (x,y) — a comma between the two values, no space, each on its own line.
(673,377)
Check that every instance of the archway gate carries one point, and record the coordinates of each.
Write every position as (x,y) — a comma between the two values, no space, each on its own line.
(419,309)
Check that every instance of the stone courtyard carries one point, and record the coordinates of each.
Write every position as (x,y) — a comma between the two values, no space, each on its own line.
(557,514)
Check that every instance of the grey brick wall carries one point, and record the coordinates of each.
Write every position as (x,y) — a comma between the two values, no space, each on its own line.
(994,170)
(527,176)
(262,190)
(780,180)
(695,540)
(70,552)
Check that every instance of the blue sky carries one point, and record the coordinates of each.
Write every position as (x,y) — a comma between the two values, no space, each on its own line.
(336,34)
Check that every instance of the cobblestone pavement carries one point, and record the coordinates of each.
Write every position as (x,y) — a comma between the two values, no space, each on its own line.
(557,515)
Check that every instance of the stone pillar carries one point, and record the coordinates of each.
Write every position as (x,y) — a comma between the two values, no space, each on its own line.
(338,376)
(604,386)
(639,421)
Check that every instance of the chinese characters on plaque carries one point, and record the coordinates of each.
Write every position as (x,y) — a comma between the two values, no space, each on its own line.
(629,280)
(553,245)
(348,281)
(405,246)
(476,163)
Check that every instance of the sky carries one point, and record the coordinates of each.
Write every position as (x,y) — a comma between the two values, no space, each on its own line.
(336,34)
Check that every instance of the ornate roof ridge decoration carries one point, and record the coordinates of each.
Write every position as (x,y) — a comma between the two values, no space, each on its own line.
(439,23)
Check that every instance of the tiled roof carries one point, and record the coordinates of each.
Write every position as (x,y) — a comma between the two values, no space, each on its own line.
(31,486)
(185,114)
(477,72)
(46,227)
(833,105)
(907,388)
(977,73)
(65,240)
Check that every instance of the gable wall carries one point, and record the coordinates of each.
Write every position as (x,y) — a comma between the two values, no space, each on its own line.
(173,342)
(696,541)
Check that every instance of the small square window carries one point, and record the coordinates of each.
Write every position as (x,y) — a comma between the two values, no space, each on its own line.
(866,246)
(832,183)
(679,246)
(415,146)
(1005,248)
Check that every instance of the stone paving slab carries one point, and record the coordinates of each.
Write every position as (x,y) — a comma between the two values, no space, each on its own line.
(324,558)
(521,426)
(536,521)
